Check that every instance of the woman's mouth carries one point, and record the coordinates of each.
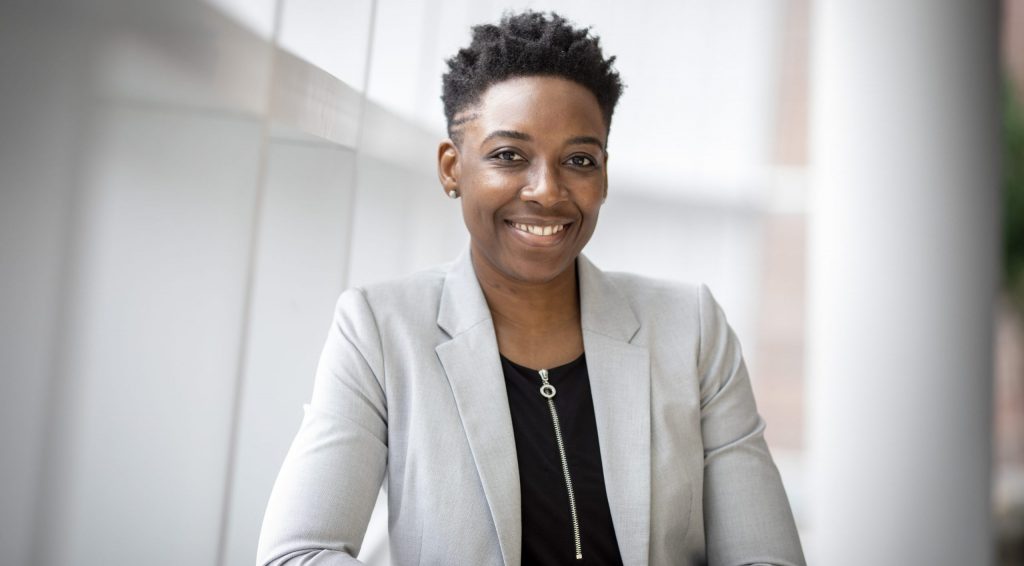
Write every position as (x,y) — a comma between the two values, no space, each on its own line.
(539,230)
(538,234)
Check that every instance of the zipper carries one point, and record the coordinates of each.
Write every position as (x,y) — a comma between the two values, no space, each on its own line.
(548,392)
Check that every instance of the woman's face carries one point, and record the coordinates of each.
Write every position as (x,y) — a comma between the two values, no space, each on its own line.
(531,173)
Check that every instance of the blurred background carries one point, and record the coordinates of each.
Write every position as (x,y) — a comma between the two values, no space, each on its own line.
(187,186)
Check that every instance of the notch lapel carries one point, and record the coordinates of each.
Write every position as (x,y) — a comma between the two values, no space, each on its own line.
(620,383)
(470,360)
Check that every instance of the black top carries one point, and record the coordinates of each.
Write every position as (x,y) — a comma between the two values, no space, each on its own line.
(547,520)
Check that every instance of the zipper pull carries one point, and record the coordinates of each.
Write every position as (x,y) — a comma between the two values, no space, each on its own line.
(547,390)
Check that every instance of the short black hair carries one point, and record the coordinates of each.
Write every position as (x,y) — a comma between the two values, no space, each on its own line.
(524,44)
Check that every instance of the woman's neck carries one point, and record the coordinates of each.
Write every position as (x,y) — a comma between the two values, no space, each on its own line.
(530,308)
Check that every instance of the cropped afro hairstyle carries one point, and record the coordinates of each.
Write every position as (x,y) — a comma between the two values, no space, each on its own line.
(524,44)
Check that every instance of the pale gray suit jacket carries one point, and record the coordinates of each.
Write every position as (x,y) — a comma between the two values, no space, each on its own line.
(410,386)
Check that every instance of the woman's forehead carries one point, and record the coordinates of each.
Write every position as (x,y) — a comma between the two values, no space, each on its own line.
(536,106)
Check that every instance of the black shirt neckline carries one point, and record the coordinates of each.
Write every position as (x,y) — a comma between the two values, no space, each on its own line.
(552,372)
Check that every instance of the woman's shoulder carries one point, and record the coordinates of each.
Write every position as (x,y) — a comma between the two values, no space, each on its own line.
(667,300)
(415,284)
(411,296)
(644,290)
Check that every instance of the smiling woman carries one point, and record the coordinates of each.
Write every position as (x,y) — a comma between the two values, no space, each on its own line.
(531,170)
(547,411)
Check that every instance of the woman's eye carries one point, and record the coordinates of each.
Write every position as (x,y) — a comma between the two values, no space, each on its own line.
(508,156)
(581,161)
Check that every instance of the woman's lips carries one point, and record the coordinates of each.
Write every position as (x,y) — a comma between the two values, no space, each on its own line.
(538,235)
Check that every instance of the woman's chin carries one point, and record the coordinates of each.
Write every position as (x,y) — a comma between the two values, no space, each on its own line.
(524,264)
(526,270)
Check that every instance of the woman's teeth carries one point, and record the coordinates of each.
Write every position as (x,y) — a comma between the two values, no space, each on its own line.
(539,230)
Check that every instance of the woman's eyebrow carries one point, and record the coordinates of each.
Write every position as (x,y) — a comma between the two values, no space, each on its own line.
(576,140)
(585,140)
(506,134)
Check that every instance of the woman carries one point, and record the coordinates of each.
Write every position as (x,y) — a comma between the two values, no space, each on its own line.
(526,407)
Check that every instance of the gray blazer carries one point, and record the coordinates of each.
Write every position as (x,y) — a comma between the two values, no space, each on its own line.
(409,385)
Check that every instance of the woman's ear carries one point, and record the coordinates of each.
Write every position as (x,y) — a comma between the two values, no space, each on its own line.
(448,166)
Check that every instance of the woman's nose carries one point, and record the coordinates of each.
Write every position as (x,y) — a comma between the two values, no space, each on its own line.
(545,187)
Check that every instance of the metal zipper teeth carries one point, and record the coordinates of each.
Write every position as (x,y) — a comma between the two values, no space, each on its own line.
(548,392)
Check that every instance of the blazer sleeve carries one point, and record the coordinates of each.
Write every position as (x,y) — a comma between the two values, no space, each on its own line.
(328,483)
(747,517)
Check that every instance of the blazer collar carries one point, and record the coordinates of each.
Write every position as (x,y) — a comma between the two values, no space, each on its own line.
(603,308)
(619,373)
(462,300)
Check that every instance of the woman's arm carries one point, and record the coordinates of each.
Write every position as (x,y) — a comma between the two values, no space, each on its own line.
(328,483)
(747,517)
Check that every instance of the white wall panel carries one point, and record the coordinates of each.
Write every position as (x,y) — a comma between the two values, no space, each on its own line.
(39,118)
(330,34)
(152,348)
(303,248)
(404,222)
(403,219)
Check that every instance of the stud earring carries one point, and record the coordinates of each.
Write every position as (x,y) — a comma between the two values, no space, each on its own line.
(453,194)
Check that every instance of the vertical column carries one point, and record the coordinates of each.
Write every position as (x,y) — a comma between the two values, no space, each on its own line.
(903,273)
